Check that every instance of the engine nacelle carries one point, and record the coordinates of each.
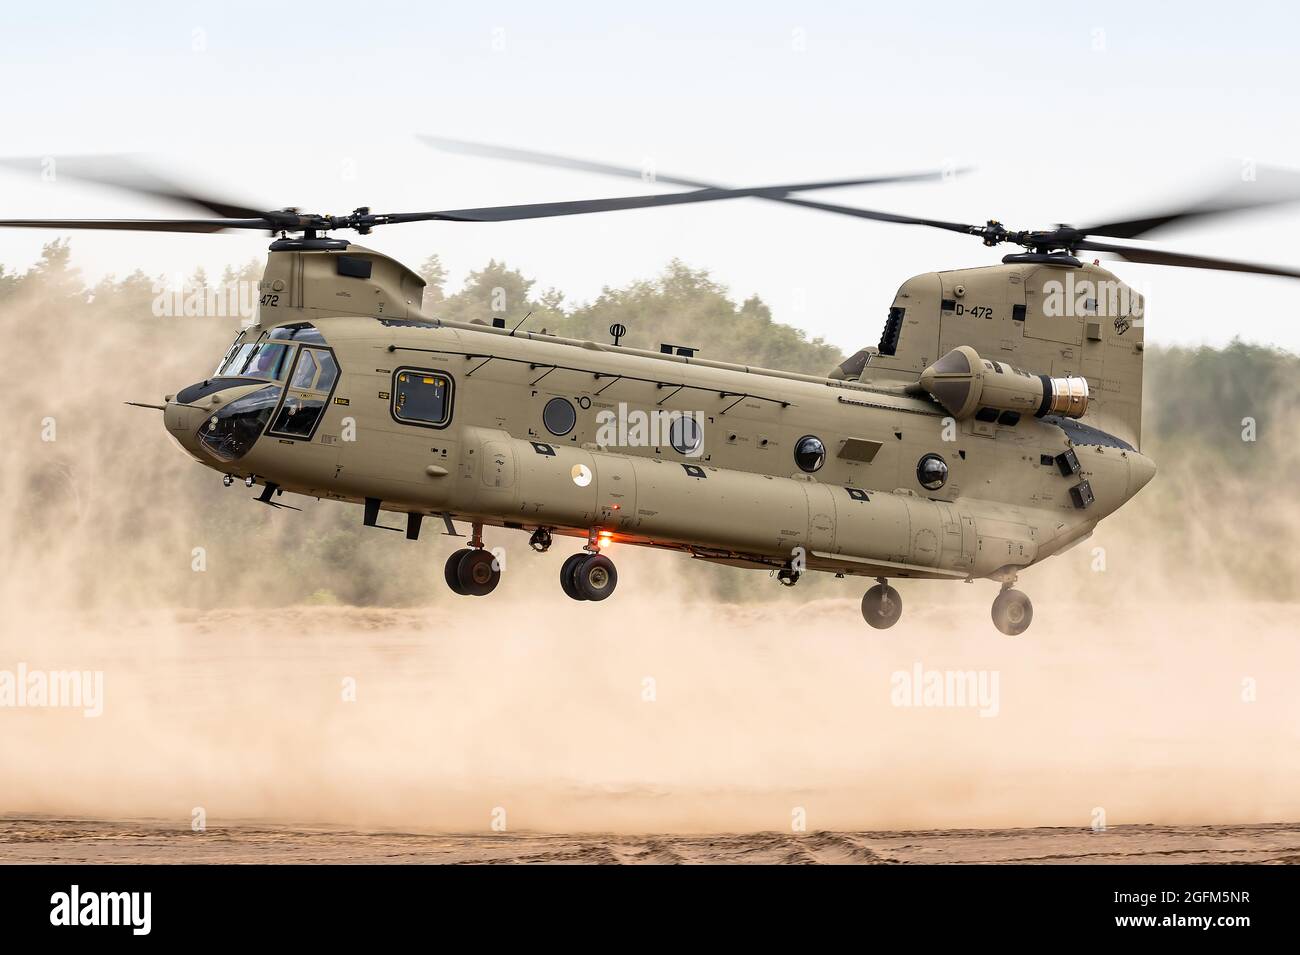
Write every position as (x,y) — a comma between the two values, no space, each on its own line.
(966,384)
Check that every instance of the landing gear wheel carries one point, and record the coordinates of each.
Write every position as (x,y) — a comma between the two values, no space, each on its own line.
(567,574)
(449,571)
(478,573)
(595,578)
(882,606)
(1012,612)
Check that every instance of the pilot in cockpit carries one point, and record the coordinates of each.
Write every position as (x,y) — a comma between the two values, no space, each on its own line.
(264,366)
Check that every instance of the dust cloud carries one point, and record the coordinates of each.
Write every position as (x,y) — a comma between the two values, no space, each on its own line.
(1156,685)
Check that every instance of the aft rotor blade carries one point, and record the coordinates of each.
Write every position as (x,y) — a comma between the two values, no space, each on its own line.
(1271,187)
(1159,257)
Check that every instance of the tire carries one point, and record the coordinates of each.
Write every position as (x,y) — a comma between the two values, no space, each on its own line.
(449,571)
(595,578)
(477,573)
(882,606)
(1012,612)
(567,572)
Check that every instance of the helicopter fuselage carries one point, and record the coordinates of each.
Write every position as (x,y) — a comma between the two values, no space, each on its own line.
(526,430)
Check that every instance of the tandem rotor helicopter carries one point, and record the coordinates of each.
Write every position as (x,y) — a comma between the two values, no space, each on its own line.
(989,429)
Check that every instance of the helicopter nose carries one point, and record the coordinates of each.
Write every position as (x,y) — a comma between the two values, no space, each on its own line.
(182,423)
(1141,469)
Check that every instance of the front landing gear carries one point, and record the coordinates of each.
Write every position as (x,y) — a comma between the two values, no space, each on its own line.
(1012,611)
(472,571)
(882,605)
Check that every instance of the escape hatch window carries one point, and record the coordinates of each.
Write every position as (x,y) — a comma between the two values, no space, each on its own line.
(422,397)
(310,384)
(299,332)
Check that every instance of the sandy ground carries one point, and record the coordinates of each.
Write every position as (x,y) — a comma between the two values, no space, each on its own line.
(350,735)
(82,841)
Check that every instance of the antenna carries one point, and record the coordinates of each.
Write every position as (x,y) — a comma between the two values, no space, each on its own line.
(521,321)
(618,330)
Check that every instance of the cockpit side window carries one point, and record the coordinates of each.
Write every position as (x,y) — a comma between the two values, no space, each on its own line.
(304,373)
(329,370)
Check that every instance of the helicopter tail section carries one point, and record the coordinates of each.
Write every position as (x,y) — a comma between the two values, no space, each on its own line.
(1047,316)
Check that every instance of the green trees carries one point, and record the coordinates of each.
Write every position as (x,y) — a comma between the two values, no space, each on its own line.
(685,306)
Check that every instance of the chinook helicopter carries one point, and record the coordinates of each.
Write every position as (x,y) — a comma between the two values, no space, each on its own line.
(995,424)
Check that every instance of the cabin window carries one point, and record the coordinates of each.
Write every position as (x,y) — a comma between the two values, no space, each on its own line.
(422,397)
(932,472)
(685,434)
(809,453)
(559,417)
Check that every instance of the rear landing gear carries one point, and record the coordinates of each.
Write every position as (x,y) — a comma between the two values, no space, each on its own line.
(1012,611)
(882,605)
(472,571)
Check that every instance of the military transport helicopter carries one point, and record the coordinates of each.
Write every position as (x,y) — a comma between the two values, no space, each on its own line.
(995,424)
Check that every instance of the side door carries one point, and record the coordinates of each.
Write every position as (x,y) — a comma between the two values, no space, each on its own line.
(306,394)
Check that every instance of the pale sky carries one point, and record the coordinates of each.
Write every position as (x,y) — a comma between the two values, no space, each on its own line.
(1070,114)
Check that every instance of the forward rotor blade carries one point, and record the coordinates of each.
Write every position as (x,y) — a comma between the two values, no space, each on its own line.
(1271,187)
(140,225)
(124,172)
(1159,257)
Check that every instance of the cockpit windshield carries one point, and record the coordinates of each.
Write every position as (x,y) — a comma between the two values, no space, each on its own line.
(268,356)
(261,359)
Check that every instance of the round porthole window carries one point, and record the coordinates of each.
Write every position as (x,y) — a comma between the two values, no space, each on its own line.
(809,453)
(685,434)
(559,417)
(931,472)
